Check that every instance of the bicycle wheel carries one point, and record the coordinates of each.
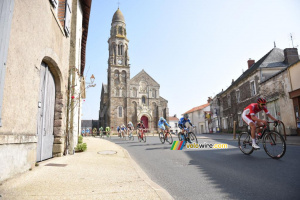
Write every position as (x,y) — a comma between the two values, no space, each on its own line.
(161,137)
(274,144)
(169,138)
(144,137)
(245,143)
(193,137)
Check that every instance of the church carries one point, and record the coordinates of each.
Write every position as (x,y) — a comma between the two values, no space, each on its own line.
(125,99)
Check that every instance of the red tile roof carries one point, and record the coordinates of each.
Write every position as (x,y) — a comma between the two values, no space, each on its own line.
(173,119)
(197,108)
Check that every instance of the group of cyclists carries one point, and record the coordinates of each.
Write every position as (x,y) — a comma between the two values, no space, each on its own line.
(248,115)
(124,130)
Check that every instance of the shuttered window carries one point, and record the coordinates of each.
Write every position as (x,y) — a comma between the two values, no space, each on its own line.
(68,17)
(6,12)
(54,3)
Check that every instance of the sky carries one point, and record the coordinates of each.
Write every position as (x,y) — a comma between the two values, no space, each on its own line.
(192,48)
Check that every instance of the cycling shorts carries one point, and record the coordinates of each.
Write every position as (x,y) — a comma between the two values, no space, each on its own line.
(247,119)
(162,127)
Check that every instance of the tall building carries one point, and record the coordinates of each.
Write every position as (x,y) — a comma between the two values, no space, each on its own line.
(124,99)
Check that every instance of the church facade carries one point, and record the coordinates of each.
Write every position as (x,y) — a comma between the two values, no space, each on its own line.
(124,99)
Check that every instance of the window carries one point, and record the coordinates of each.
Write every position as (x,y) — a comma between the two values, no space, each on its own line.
(120,111)
(134,92)
(175,125)
(143,100)
(238,96)
(55,5)
(68,17)
(229,101)
(252,88)
(154,93)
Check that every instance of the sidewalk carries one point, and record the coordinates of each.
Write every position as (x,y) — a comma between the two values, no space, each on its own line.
(290,140)
(86,175)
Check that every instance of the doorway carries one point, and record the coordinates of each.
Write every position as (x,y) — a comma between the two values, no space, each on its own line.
(45,120)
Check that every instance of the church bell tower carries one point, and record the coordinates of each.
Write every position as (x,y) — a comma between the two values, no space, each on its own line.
(118,70)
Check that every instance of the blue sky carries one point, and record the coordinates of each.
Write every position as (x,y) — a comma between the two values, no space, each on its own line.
(192,48)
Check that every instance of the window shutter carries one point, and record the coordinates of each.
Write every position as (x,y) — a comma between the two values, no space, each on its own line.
(54,3)
(68,17)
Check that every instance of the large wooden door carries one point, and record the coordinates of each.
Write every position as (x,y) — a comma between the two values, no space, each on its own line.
(45,114)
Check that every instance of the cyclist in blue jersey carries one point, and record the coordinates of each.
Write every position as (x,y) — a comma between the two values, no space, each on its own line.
(182,122)
(161,124)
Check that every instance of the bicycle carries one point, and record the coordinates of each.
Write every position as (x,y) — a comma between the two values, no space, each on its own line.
(108,135)
(191,136)
(165,136)
(141,135)
(101,134)
(130,135)
(122,134)
(273,142)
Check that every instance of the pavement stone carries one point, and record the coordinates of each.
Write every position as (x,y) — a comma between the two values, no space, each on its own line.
(86,175)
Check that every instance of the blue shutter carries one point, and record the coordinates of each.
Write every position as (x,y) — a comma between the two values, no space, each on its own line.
(68,17)
(6,13)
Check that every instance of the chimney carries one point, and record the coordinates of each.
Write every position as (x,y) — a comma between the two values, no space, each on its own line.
(232,81)
(209,100)
(290,55)
(250,63)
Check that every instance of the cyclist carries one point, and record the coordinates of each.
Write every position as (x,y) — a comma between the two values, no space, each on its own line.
(181,125)
(118,130)
(249,117)
(94,131)
(130,127)
(101,131)
(140,126)
(161,124)
(107,130)
(123,129)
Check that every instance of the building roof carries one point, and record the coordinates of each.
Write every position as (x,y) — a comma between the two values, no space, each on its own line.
(145,73)
(274,58)
(172,118)
(118,16)
(197,108)
(86,8)
(104,86)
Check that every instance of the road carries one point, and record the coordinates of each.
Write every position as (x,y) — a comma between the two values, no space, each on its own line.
(218,173)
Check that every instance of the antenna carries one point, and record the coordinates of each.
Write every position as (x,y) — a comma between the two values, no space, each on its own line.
(292,40)
(274,44)
(118,4)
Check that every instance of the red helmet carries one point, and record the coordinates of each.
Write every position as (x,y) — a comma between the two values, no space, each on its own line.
(261,100)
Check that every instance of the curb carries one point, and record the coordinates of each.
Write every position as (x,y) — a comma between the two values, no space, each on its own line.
(160,191)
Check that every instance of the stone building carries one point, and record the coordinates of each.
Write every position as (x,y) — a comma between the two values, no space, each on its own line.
(34,64)
(125,99)
(247,88)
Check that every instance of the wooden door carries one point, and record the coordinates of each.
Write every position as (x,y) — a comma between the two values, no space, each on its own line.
(45,114)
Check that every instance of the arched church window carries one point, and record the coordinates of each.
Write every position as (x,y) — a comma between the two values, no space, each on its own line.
(120,30)
(134,92)
(123,78)
(120,111)
(143,100)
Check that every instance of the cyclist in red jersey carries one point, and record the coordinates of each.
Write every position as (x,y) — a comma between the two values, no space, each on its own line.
(249,117)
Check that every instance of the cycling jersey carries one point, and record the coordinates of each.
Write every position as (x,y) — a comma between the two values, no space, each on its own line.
(161,124)
(140,125)
(182,122)
(252,109)
(107,129)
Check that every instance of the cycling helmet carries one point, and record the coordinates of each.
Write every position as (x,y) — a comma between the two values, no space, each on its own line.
(141,121)
(161,118)
(186,116)
(261,101)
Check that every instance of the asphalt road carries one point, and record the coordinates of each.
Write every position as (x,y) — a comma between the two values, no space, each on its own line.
(218,173)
